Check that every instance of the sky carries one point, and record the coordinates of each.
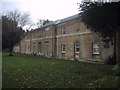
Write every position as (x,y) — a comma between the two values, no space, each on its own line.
(43,9)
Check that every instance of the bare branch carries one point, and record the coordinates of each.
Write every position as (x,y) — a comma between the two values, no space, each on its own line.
(25,19)
(22,19)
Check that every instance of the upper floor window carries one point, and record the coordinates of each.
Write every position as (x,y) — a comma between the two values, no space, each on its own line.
(96,48)
(46,33)
(77,27)
(63,31)
(105,43)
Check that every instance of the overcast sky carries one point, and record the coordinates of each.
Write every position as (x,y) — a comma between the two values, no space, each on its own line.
(43,9)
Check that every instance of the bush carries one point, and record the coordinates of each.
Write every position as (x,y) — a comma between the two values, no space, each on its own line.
(111,60)
(116,70)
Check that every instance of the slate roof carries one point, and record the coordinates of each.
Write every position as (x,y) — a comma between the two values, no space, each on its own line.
(69,18)
(61,20)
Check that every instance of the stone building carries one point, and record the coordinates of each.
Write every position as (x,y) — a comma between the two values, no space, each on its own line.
(66,39)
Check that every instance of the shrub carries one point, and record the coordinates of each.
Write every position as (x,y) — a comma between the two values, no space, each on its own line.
(116,70)
(111,60)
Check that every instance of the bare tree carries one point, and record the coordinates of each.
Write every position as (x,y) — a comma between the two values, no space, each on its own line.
(24,19)
(21,18)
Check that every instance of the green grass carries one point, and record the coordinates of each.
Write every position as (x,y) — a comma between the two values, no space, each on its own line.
(25,71)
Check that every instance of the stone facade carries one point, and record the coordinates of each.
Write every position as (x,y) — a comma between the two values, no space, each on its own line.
(66,39)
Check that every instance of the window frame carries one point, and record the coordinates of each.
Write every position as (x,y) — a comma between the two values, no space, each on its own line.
(96,46)
(46,32)
(63,48)
(76,46)
(63,32)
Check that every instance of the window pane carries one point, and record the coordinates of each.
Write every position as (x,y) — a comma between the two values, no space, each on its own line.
(63,31)
(77,48)
(96,48)
(63,48)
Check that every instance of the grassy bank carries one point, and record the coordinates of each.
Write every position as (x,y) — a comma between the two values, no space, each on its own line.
(25,71)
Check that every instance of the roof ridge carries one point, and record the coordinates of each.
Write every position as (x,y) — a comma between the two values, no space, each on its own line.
(61,20)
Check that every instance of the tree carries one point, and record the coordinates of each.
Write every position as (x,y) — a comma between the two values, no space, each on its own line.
(21,18)
(43,22)
(12,25)
(11,34)
(46,21)
(102,18)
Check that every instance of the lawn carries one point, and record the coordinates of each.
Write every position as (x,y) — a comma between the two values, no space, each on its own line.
(27,71)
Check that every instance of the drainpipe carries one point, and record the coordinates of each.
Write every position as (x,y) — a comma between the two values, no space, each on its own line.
(52,42)
(117,47)
(20,47)
(62,43)
(30,41)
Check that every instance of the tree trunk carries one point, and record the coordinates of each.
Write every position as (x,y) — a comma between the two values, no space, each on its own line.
(10,52)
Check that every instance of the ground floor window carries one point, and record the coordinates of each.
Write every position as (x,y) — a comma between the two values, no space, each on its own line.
(63,48)
(39,47)
(46,49)
(96,48)
(77,48)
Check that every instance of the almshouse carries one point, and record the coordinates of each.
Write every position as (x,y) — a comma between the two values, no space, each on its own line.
(66,39)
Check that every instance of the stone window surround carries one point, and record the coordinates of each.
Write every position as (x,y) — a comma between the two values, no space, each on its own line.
(63,31)
(77,48)
(96,48)
(63,48)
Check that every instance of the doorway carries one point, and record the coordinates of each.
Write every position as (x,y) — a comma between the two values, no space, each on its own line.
(39,47)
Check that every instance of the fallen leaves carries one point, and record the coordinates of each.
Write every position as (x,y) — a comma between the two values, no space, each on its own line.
(69,82)
(51,74)
(16,79)
(19,70)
